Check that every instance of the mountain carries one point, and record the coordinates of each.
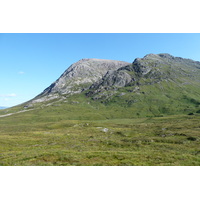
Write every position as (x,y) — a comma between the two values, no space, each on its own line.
(110,113)
(155,85)
(79,77)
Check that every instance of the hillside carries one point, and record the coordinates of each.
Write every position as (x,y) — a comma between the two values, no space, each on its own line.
(103,112)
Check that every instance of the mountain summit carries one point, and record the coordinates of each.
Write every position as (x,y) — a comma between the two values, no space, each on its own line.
(79,77)
(152,85)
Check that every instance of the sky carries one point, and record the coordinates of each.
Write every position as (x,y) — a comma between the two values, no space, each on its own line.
(30,62)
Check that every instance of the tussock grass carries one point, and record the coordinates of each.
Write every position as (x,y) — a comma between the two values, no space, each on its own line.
(30,140)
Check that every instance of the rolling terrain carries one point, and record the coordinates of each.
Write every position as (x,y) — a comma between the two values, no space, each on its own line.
(105,112)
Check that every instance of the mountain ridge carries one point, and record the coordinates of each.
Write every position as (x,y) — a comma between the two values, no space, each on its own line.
(87,72)
(154,85)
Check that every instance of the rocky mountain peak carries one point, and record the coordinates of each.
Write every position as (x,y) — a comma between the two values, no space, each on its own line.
(155,57)
(100,75)
(80,76)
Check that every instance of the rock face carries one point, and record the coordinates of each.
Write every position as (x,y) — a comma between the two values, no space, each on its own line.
(79,77)
(150,70)
(150,61)
(97,76)
(118,78)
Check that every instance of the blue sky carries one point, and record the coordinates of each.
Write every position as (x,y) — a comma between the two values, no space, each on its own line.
(31,62)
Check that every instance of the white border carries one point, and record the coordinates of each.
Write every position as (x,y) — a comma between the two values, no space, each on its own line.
(99,183)
(105,16)
(42,16)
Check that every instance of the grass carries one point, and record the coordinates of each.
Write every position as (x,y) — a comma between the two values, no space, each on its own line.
(26,139)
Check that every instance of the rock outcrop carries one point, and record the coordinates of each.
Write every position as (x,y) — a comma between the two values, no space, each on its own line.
(79,77)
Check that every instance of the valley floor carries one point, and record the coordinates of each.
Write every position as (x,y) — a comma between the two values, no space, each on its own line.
(159,141)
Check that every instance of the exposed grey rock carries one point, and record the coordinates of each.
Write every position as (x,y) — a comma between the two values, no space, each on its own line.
(122,94)
(79,77)
(152,69)
(105,130)
(167,59)
(116,78)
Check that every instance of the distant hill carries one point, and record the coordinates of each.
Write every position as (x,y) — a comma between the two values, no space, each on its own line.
(155,85)
(1,107)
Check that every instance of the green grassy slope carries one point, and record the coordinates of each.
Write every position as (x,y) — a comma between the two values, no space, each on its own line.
(85,132)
